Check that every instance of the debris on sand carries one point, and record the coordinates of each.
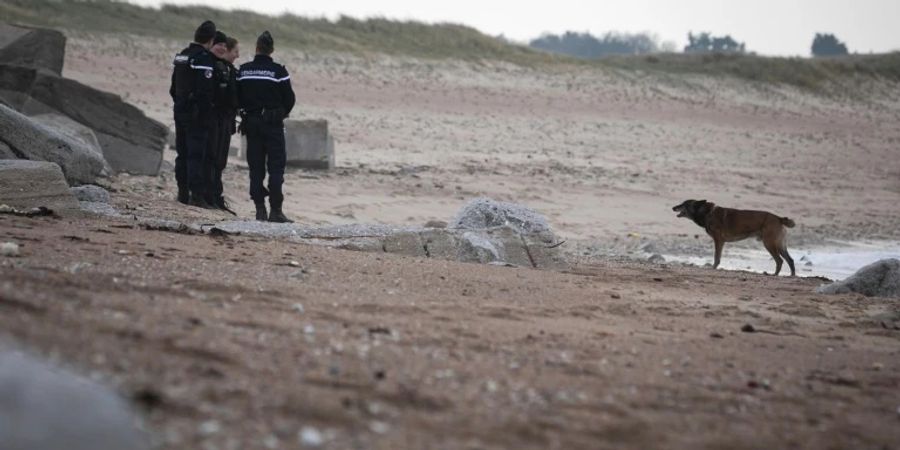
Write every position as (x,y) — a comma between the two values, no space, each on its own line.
(656,258)
(879,279)
(32,212)
(90,193)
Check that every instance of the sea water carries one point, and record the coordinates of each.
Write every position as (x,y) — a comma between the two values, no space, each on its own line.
(835,261)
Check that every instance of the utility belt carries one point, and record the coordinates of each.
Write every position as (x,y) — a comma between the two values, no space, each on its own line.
(264,116)
(268,115)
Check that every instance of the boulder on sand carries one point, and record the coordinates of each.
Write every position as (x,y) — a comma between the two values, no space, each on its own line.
(879,279)
(31,184)
(47,408)
(28,139)
(131,142)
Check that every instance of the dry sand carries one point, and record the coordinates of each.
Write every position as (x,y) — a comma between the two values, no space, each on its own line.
(225,344)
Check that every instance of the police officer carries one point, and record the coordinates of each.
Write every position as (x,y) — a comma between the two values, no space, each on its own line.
(266,99)
(192,91)
(226,105)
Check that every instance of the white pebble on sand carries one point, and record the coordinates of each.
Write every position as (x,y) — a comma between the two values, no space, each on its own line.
(9,249)
(311,437)
(378,427)
(210,427)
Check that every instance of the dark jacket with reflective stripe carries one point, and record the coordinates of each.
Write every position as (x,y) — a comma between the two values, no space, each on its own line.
(193,80)
(264,85)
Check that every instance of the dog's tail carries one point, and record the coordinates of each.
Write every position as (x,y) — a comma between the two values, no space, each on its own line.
(787,222)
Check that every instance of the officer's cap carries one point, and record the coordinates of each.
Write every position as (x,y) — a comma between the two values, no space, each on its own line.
(205,32)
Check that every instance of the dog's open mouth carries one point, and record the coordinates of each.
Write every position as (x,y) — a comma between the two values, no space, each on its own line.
(680,210)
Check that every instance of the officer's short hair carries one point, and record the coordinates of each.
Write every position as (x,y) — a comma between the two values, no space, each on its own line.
(220,38)
(231,43)
(205,32)
(265,44)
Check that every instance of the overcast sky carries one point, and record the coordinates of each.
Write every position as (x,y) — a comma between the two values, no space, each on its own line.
(772,27)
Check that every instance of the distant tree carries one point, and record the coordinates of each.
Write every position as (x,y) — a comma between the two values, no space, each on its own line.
(585,45)
(706,43)
(826,44)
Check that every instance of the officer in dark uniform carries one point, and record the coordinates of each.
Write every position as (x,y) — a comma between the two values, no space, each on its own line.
(193,86)
(266,99)
(223,126)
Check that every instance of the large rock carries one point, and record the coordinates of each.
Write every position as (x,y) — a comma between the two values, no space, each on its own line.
(32,47)
(879,279)
(131,142)
(6,152)
(70,129)
(29,139)
(73,130)
(30,184)
(47,408)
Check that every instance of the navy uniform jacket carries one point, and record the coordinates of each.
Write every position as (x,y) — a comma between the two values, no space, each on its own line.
(226,95)
(193,81)
(263,86)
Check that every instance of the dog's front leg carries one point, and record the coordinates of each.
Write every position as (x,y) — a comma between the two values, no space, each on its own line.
(719,244)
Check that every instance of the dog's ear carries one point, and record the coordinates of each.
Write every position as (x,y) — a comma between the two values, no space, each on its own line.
(702,201)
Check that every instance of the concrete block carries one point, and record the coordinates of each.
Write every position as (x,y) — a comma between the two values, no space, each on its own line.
(308,144)
(404,243)
(32,47)
(544,254)
(30,184)
(440,244)
(510,246)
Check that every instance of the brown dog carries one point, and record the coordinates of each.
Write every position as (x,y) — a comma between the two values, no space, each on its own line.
(730,225)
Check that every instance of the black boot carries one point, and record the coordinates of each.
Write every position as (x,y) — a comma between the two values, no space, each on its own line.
(223,205)
(275,201)
(198,201)
(277,216)
(261,214)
